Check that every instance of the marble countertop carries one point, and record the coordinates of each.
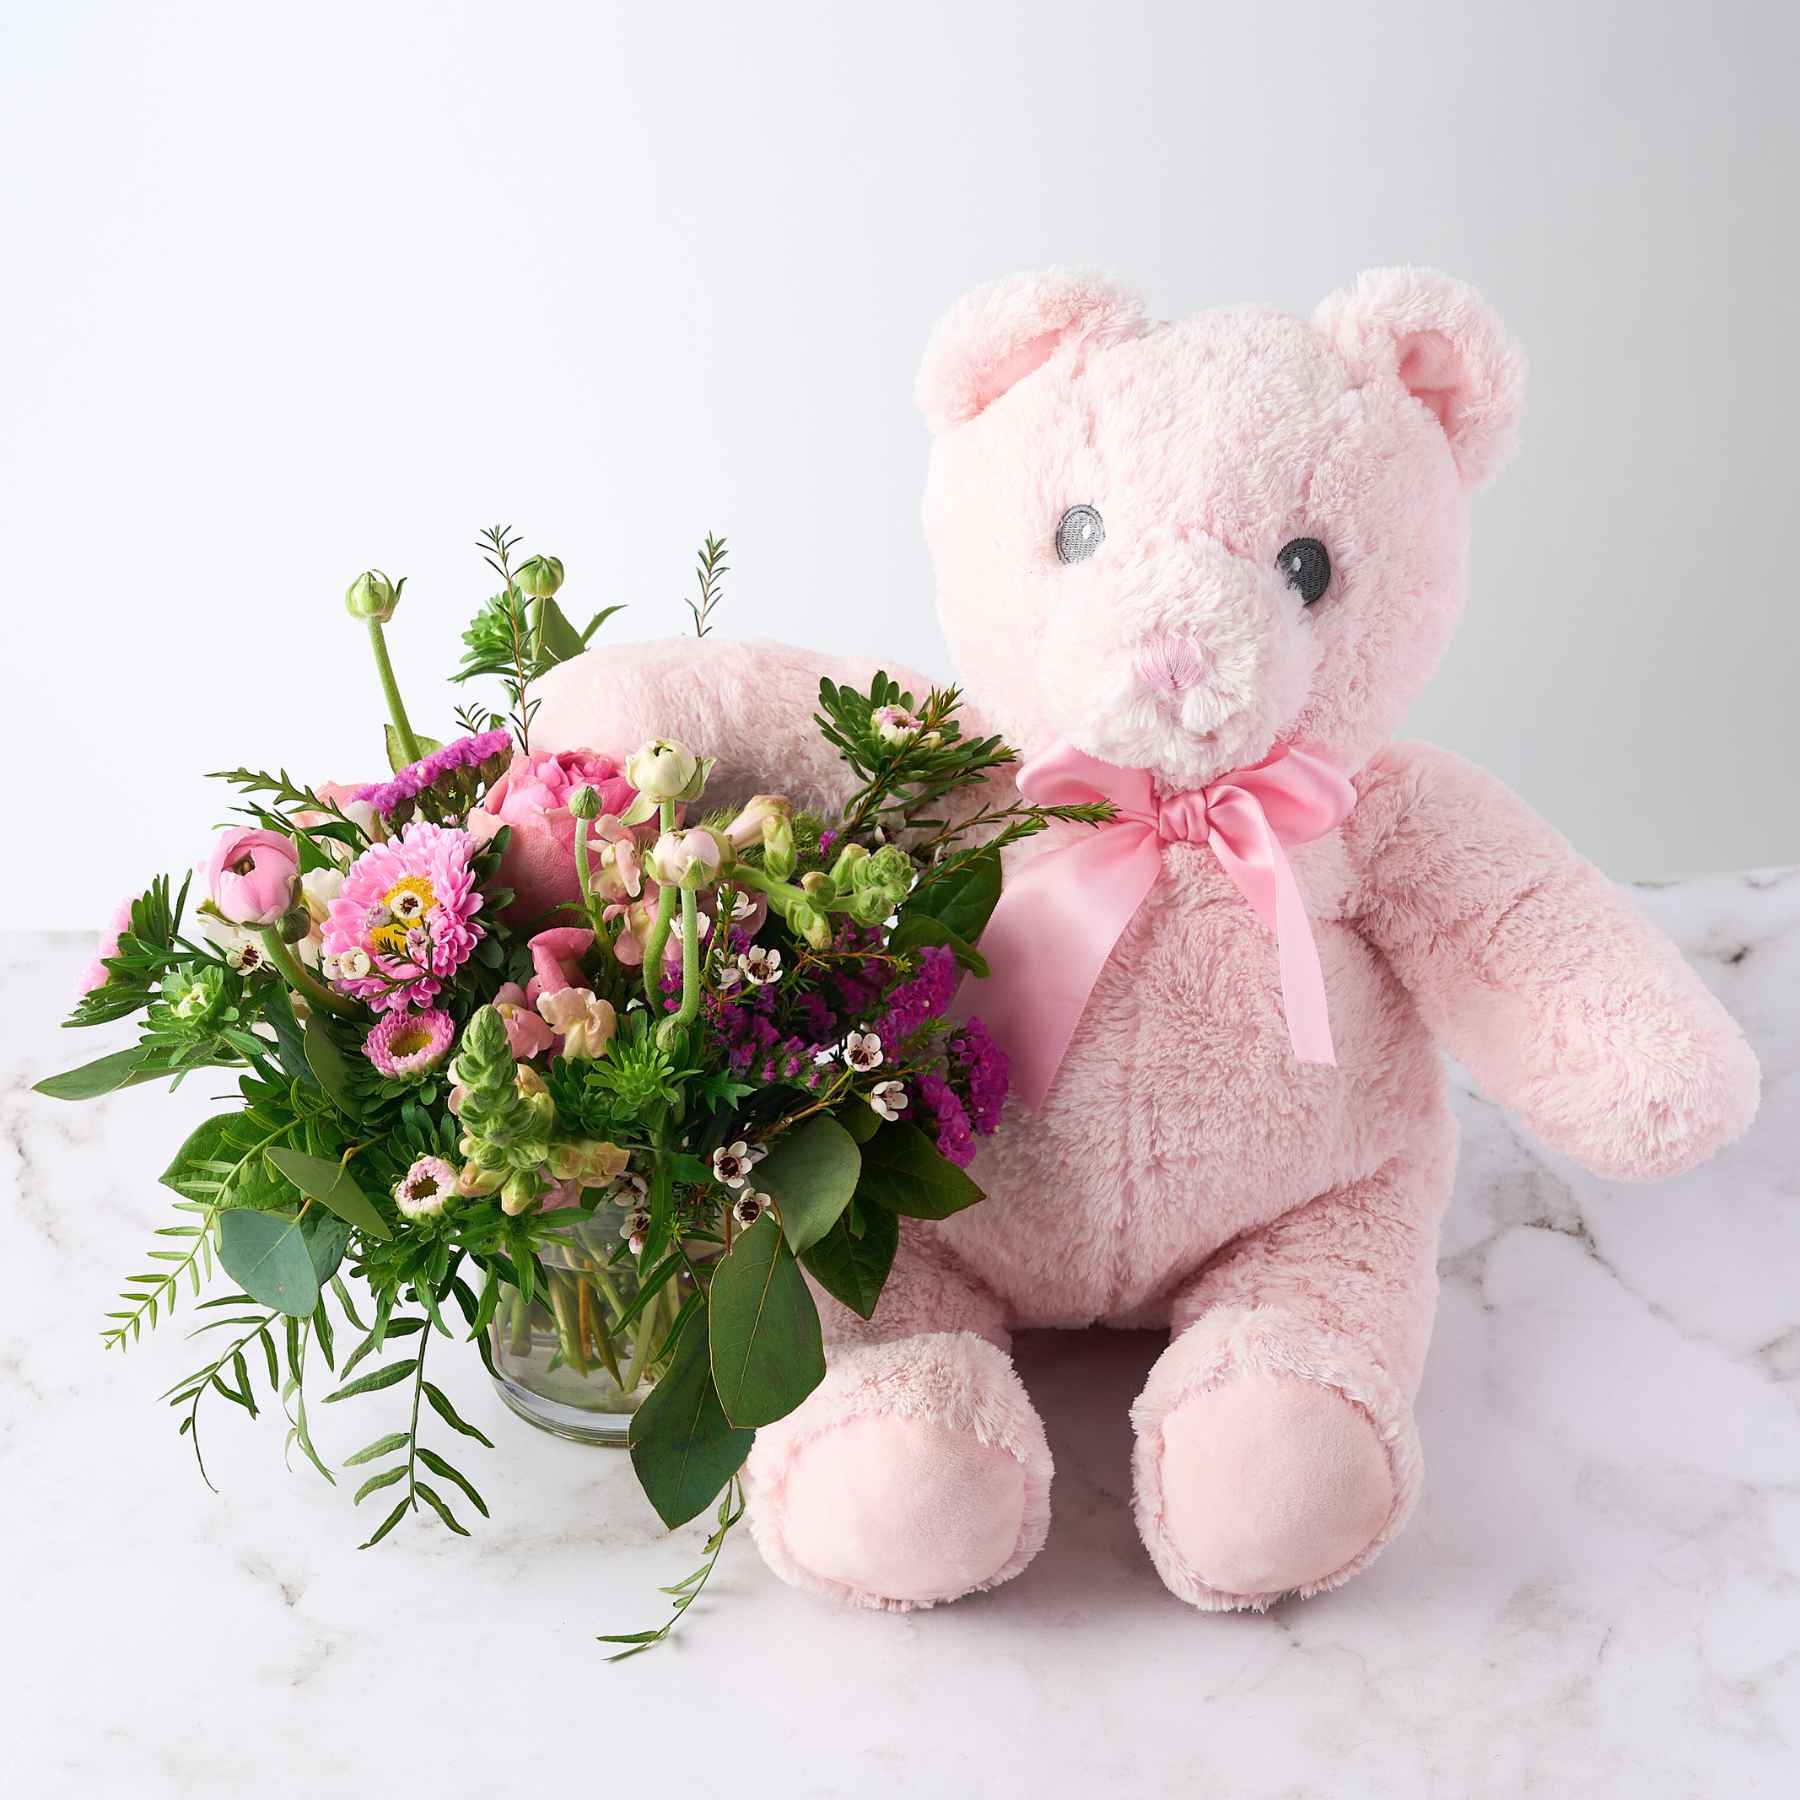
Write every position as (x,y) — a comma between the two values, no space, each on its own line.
(1599,1594)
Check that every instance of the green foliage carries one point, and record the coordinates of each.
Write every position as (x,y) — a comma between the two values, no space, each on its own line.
(852,1264)
(333,1186)
(811,1173)
(710,574)
(962,899)
(280,1260)
(683,1447)
(148,948)
(903,1171)
(690,1587)
(767,1354)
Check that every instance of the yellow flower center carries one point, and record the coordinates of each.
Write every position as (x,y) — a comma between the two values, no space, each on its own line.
(407,901)
(411,1042)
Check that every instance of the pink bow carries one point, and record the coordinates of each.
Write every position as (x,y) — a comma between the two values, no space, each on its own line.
(1063,911)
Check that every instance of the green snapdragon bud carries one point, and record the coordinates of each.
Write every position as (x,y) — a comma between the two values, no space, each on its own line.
(778,847)
(372,596)
(584,802)
(809,921)
(540,577)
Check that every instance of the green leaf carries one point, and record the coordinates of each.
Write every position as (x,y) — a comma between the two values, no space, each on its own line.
(903,1171)
(440,1404)
(767,1355)
(860,1119)
(222,1164)
(917,929)
(853,1269)
(385,1526)
(382,1446)
(812,1174)
(379,1378)
(110,1073)
(435,1501)
(963,899)
(327,1238)
(558,637)
(396,751)
(683,1447)
(439,1466)
(333,1186)
(327,1063)
(376,1483)
(268,1256)
(599,619)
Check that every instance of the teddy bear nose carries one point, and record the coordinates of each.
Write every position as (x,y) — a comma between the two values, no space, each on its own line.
(1170,664)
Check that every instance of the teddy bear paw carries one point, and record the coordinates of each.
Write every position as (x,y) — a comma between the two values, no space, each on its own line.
(916,1473)
(1257,1477)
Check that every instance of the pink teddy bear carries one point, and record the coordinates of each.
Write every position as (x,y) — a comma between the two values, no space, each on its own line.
(1230,546)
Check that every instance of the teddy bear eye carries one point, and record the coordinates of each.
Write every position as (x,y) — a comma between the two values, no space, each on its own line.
(1305,565)
(1079,533)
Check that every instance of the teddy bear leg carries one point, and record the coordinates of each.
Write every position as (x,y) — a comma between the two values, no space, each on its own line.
(1276,1451)
(917,1471)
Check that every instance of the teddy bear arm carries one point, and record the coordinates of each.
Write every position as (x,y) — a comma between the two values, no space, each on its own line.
(1535,972)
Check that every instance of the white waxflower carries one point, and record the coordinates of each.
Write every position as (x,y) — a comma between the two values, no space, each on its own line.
(353,965)
(729,977)
(732,1163)
(760,966)
(862,1051)
(825,1054)
(748,1207)
(888,1099)
(629,1190)
(743,904)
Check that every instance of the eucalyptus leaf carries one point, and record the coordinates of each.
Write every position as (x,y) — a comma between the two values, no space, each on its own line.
(327,1063)
(683,1447)
(852,1268)
(105,1076)
(903,1171)
(812,1174)
(767,1353)
(965,898)
(268,1256)
(917,929)
(396,751)
(333,1186)
(558,637)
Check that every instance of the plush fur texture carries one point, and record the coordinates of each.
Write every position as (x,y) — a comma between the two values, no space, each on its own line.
(1281,1219)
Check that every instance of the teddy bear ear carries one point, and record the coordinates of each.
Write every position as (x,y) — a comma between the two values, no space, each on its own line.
(1439,339)
(998,334)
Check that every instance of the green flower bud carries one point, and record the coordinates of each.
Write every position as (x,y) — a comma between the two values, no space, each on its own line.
(294,924)
(847,860)
(584,802)
(662,769)
(540,577)
(822,888)
(372,596)
(810,923)
(870,907)
(778,847)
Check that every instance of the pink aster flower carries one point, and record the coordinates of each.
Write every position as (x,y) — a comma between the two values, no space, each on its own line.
(421,1192)
(409,906)
(404,1044)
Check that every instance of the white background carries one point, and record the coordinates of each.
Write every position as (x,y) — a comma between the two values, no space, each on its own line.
(291,291)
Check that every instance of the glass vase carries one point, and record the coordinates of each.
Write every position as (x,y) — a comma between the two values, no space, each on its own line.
(570,1360)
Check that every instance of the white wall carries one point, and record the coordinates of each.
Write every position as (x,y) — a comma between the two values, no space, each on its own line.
(292,290)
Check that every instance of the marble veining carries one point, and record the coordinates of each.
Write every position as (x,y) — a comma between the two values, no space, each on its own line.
(1600,1593)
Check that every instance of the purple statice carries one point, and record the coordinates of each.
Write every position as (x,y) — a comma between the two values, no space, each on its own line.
(983,1068)
(923,996)
(816,1016)
(955,1141)
(827,838)
(409,783)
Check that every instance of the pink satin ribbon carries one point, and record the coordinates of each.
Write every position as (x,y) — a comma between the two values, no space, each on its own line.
(1062,912)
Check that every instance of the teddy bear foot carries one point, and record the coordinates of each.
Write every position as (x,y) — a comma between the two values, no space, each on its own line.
(916,1473)
(1271,1460)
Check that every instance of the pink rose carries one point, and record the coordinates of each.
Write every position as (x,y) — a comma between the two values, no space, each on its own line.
(94,975)
(533,798)
(253,876)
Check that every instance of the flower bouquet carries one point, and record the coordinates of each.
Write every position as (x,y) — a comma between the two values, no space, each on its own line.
(534,1052)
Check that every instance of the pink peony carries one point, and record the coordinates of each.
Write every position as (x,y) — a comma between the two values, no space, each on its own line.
(94,975)
(251,875)
(533,798)
(404,920)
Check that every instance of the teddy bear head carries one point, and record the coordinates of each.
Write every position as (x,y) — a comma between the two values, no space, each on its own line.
(1180,545)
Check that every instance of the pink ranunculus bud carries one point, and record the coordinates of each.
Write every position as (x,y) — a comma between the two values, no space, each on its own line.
(688,859)
(94,975)
(746,829)
(253,876)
